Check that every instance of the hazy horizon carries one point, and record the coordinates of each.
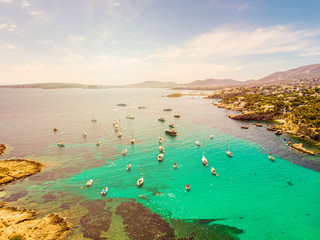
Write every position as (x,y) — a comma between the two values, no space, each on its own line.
(125,42)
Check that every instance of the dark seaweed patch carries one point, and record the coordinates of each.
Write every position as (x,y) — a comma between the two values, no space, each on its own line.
(16,196)
(96,220)
(140,223)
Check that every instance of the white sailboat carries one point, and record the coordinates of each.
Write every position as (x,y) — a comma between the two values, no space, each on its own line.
(132,139)
(140,180)
(160,157)
(161,149)
(129,116)
(89,182)
(228,152)
(60,143)
(129,165)
(213,171)
(119,133)
(204,160)
(124,152)
(198,143)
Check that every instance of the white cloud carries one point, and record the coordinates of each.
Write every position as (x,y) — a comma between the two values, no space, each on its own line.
(39,14)
(76,38)
(25,4)
(226,43)
(3,25)
(8,46)
(30,67)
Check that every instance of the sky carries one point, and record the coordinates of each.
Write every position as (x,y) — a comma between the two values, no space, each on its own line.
(114,42)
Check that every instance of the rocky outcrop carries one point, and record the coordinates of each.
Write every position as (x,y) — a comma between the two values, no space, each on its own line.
(230,107)
(2,148)
(253,116)
(300,148)
(18,223)
(300,130)
(11,170)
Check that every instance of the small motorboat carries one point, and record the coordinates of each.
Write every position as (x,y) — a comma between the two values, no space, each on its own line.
(161,119)
(213,171)
(84,134)
(160,157)
(116,128)
(167,109)
(198,143)
(124,151)
(140,181)
(98,143)
(172,125)
(129,166)
(94,120)
(89,182)
(104,191)
(188,187)
(161,149)
(171,132)
(175,165)
(160,140)
(60,144)
(211,136)
(271,158)
(141,107)
(229,153)
(132,141)
(245,127)
(114,123)
(119,134)
(130,117)
(55,129)
(177,116)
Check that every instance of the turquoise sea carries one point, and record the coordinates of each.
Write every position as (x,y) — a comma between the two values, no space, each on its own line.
(265,199)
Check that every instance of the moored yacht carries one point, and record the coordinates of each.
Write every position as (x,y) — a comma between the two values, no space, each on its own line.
(140,181)
(124,151)
(171,132)
(161,149)
(160,157)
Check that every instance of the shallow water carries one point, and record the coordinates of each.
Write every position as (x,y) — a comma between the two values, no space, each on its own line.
(268,200)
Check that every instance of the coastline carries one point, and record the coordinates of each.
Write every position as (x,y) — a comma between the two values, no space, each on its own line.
(16,223)
(283,126)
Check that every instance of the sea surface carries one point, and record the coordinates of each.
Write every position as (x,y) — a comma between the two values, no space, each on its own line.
(265,199)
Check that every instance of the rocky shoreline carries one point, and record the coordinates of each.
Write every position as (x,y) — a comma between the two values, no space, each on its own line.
(2,148)
(16,223)
(12,170)
(284,127)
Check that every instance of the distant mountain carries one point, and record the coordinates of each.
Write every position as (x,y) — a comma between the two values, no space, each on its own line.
(213,83)
(54,86)
(292,74)
(153,84)
(274,78)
